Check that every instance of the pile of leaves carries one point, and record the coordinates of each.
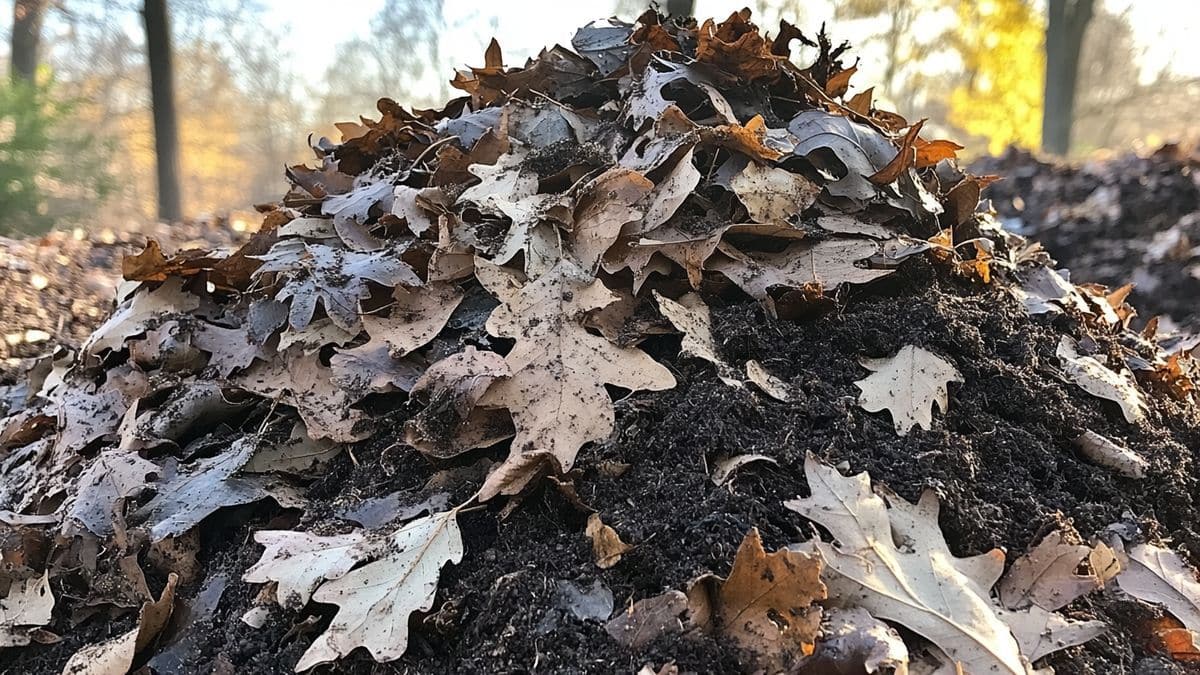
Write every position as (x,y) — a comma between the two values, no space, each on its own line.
(665,354)
(58,287)
(1125,219)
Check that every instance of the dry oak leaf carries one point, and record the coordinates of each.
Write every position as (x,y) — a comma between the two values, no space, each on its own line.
(607,547)
(28,605)
(771,194)
(829,263)
(1097,380)
(111,476)
(908,384)
(607,203)
(374,601)
(769,384)
(115,656)
(1158,575)
(646,102)
(1046,576)
(298,562)
(891,558)
(691,316)
(648,619)
(1109,454)
(136,313)
(297,454)
(451,423)
(301,380)
(335,277)
(556,391)
(765,606)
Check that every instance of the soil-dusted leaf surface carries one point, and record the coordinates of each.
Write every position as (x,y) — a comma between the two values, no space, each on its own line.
(481,406)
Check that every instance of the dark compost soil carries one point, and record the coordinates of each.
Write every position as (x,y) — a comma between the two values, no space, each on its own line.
(1001,461)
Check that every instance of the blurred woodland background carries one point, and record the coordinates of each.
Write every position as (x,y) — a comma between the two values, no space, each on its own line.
(235,87)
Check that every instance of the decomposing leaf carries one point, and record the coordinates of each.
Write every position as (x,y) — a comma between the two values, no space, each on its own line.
(769,384)
(607,547)
(136,314)
(648,619)
(414,318)
(27,606)
(908,385)
(115,656)
(556,391)
(296,454)
(891,558)
(724,468)
(691,315)
(374,601)
(852,642)
(1097,380)
(610,201)
(452,423)
(1160,576)
(1046,576)
(773,195)
(111,476)
(766,605)
(1107,453)
(829,264)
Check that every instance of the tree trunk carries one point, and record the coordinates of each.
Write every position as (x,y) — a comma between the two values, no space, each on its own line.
(26,38)
(162,96)
(681,7)
(1065,26)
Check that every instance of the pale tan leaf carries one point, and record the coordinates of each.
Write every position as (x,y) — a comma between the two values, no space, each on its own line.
(724,468)
(668,195)
(301,380)
(607,547)
(415,317)
(110,476)
(1046,575)
(773,195)
(28,605)
(853,641)
(1106,453)
(606,205)
(297,454)
(829,263)
(690,315)
(1097,380)
(450,423)
(138,312)
(908,385)
(299,561)
(556,391)
(115,656)
(769,384)
(890,557)
(374,601)
(1158,575)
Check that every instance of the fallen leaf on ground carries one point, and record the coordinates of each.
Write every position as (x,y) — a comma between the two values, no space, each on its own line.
(298,562)
(115,656)
(691,315)
(852,642)
(607,547)
(374,601)
(724,468)
(918,583)
(1097,380)
(769,384)
(766,605)
(1106,453)
(1046,576)
(1160,576)
(908,385)
(828,263)
(646,620)
(27,606)
(773,195)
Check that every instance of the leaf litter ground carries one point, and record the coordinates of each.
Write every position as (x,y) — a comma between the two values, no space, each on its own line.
(543,283)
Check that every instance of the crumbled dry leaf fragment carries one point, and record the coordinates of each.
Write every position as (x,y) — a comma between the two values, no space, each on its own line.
(766,604)
(724,468)
(853,641)
(1046,576)
(920,584)
(115,656)
(28,605)
(648,619)
(374,601)
(1097,380)
(908,385)
(769,384)
(607,547)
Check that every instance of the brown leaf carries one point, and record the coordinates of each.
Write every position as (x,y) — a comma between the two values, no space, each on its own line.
(905,158)
(115,656)
(766,605)
(1046,577)
(932,152)
(647,620)
(607,547)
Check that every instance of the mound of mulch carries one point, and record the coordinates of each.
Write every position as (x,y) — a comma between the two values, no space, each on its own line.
(643,229)
(1117,220)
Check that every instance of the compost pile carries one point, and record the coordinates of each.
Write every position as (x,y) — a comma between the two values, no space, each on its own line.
(1125,219)
(58,287)
(661,355)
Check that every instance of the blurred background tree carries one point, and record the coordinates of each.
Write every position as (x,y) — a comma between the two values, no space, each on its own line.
(253,78)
